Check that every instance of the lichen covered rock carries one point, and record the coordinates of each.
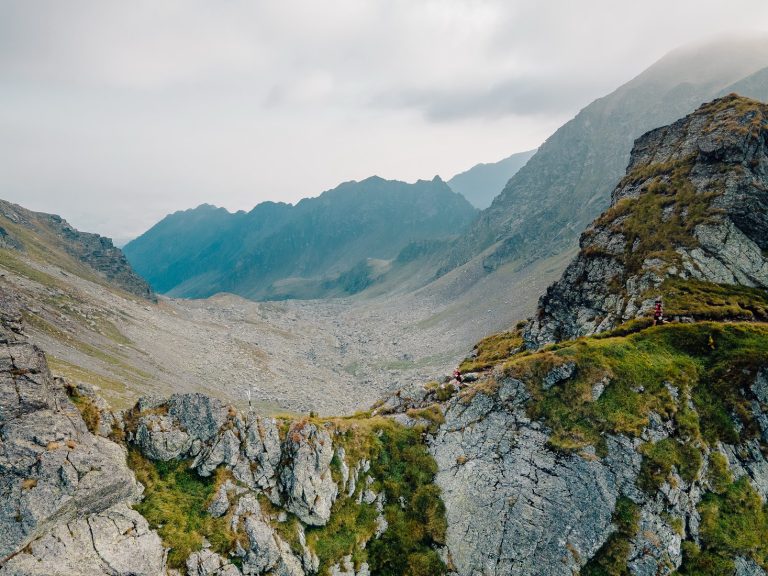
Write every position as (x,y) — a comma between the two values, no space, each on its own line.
(305,475)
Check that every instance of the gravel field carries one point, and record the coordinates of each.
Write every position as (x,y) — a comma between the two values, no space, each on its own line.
(332,356)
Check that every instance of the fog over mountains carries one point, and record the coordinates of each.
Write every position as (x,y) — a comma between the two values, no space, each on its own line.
(334,246)
(546,205)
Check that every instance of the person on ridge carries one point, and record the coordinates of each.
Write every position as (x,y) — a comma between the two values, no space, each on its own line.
(457,375)
(658,312)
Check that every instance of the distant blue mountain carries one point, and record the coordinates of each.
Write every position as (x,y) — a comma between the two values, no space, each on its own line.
(317,248)
(483,182)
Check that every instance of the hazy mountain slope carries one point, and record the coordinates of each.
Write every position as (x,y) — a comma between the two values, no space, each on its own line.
(282,251)
(50,238)
(691,208)
(483,182)
(331,356)
(568,181)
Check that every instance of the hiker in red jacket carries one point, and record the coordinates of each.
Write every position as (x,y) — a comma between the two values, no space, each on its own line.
(658,312)
(457,375)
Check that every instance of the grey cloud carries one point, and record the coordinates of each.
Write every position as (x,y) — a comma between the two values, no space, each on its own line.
(519,96)
(178,102)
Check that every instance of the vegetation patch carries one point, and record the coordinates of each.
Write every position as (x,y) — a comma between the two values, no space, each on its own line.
(87,408)
(494,349)
(663,216)
(712,362)
(660,457)
(707,301)
(718,473)
(404,471)
(733,523)
(175,504)
(611,558)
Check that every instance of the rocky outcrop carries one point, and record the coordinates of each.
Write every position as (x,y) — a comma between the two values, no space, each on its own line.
(53,469)
(513,505)
(63,490)
(208,563)
(347,568)
(305,478)
(116,542)
(693,205)
(295,473)
(93,250)
(517,505)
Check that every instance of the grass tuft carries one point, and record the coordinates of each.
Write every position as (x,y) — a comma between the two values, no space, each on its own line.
(175,504)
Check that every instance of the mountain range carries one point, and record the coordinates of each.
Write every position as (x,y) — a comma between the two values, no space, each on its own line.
(322,246)
(536,217)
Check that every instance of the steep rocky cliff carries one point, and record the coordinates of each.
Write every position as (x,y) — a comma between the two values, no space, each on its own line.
(636,449)
(692,206)
(65,493)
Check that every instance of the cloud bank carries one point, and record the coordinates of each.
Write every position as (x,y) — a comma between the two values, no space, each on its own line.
(116,113)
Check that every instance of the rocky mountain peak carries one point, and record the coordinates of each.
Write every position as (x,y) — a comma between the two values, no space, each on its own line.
(692,208)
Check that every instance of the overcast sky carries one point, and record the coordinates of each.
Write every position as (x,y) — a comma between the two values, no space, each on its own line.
(114,113)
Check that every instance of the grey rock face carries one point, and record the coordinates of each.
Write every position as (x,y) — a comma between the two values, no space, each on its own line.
(264,552)
(747,567)
(515,507)
(305,476)
(225,450)
(262,452)
(52,469)
(208,563)
(160,437)
(727,169)
(725,255)
(11,329)
(760,387)
(559,374)
(220,503)
(267,552)
(64,492)
(748,460)
(309,560)
(116,542)
(656,547)
(199,415)
(347,568)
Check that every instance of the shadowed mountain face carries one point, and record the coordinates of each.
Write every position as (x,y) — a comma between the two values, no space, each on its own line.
(319,247)
(568,182)
(482,183)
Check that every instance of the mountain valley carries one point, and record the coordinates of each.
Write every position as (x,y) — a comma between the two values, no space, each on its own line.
(590,439)
(552,365)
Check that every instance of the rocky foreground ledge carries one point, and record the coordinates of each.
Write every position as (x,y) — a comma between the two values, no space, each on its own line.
(221,492)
